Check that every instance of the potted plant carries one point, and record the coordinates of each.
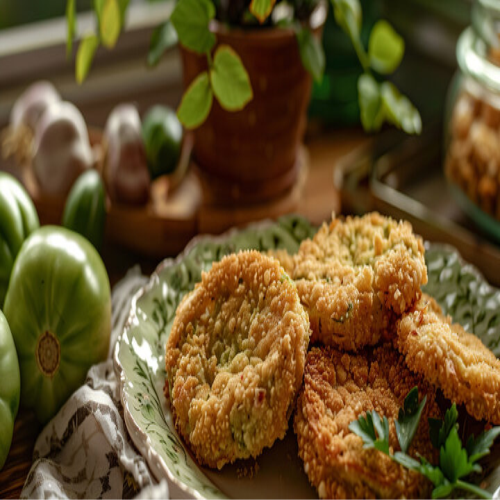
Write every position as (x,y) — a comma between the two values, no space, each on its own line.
(248,68)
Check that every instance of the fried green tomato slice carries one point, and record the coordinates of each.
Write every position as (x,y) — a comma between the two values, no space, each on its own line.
(356,275)
(284,258)
(338,389)
(452,359)
(235,358)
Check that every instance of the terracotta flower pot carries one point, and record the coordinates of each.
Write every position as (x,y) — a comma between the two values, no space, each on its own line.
(251,155)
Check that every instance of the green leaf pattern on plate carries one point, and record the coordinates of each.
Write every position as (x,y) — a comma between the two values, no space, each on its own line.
(464,294)
(140,350)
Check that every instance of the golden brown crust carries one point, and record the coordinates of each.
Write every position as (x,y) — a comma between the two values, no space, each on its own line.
(284,258)
(450,358)
(338,388)
(235,358)
(355,275)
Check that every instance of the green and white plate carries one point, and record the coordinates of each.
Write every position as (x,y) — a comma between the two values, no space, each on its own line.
(278,472)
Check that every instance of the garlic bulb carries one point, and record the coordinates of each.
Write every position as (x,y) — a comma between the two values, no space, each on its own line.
(32,103)
(126,170)
(61,148)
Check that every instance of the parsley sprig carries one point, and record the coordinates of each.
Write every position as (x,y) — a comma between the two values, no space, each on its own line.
(456,462)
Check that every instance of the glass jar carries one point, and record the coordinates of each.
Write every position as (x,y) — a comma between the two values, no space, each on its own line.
(472,161)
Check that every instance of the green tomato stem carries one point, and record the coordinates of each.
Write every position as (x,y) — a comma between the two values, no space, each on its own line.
(473,489)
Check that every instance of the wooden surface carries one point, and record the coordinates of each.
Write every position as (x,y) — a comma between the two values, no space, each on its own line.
(317,202)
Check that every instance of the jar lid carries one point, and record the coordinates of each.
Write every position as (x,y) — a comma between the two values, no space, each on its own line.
(472,59)
(486,22)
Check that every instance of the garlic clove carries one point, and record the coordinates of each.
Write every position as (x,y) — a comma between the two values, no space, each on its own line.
(126,170)
(61,148)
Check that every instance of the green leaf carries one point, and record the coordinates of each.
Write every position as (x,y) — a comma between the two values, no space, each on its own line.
(399,110)
(230,81)
(385,48)
(123,5)
(196,102)
(311,54)
(348,15)
(435,432)
(110,24)
(453,458)
(480,447)
(164,36)
(373,430)
(85,56)
(98,8)
(191,20)
(439,429)
(382,428)
(370,103)
(433,474)
(261,9)
(409,418)
(363,427)
(443,490)
(71,24)
(406,461)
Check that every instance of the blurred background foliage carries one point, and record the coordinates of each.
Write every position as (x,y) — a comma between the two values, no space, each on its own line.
(430,29)
(19,12)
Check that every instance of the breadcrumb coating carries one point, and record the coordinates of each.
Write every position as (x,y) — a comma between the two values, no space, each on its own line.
(356,275)
(338,388)
(284,258)
(452,359)
(235,358)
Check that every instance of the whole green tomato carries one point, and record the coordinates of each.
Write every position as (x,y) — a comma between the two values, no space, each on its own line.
(18,219)
(162,135)
(10,387)
(85,209)
(58,306)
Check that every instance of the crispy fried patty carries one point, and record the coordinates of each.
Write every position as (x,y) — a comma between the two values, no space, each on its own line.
(338,388)
(452,359)
(235,358)
(356,275)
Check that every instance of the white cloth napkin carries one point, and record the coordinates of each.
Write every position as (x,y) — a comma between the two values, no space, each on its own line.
(85,450)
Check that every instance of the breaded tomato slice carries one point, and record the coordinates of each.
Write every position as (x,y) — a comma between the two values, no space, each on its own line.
(356,275)
(284,258)
(338,389)
(452,359)
(235,358)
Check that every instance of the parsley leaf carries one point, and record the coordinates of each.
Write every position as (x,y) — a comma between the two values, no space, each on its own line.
(408,419)
(455,461)
(480,447)
(439,429)
(453,458)
(406,461)
(382,428)
(433,474)
(363,427)
(373,430)
(443,490)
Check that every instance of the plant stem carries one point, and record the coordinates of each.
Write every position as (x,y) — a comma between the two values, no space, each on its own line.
(473,489)
(361,53)
(209,60)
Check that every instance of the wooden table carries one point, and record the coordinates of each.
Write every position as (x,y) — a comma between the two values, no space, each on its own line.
(318,201)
